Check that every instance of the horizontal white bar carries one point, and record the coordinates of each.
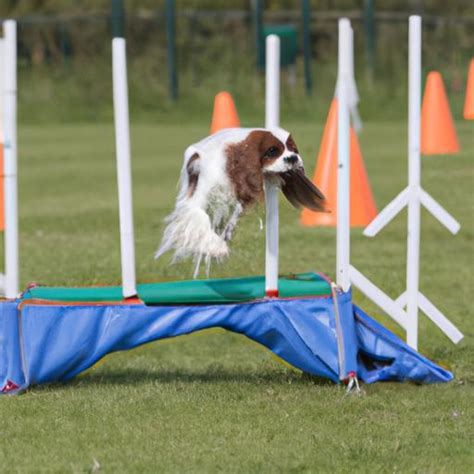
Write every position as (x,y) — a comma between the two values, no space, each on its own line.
(387,214)
(439,212)
(439,319)
(382,300)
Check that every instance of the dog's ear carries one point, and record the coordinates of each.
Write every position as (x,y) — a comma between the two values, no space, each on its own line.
(244,167)
(301,192)
(193,167)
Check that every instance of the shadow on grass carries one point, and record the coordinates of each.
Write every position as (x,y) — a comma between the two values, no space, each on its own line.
(136,377)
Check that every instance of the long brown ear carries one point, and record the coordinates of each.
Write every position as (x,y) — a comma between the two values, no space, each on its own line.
(301,192)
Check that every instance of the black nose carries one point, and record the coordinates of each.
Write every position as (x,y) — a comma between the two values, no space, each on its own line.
(291,159)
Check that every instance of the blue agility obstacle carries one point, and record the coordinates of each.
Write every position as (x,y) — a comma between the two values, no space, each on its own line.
(43,341)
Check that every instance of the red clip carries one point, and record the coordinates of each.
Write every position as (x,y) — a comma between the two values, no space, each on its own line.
(272,293)
(9,387)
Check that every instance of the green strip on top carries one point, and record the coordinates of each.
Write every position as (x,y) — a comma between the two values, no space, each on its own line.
(223,290)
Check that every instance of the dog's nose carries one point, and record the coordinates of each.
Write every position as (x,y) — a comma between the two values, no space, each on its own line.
(293,159)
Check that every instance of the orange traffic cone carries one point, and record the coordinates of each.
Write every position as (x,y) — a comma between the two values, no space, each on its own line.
(469,102)
(363,209)
(438,135)
(225,113)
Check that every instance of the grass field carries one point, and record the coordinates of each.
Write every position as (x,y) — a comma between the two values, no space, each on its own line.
(215,401)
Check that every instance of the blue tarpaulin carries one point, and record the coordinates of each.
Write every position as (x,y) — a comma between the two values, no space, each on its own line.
(324,336)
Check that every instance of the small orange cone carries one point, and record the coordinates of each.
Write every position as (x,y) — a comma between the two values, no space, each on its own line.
(224,114)
(469,102)
(438,135)
(363,209)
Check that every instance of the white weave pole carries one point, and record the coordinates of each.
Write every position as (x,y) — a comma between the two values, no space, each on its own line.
(272,119)
(10,158)
(122,145)
(343,154)
(413,196)
(414,167)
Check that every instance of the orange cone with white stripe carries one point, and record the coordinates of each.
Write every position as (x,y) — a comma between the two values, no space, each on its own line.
(362,203)
(225,113)
(438,135)
(469,101)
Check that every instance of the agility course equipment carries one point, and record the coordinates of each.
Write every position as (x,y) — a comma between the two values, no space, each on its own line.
(468,111)
(53,334)
(9,283)
(224,113)
(124,175)
(272,119)
(413,196)
(438,135)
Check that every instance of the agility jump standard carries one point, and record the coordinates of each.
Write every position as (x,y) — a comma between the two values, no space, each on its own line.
(9,284)
(413,197)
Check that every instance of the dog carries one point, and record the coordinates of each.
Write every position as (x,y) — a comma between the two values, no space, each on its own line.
(223,176)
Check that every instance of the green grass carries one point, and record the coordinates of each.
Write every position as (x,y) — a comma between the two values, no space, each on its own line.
(215,401)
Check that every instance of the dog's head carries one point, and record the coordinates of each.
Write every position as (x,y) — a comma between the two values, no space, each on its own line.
(273,154)
(277,150)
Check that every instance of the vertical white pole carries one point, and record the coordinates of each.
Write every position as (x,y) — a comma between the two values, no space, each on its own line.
(122,145)
(413,239)
(10,160)
(343,170)
(272,119)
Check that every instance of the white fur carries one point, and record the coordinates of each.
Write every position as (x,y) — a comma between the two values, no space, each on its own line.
(200,225)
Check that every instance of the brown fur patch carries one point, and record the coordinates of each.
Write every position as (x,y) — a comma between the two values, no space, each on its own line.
(193,174)
(245,161)
(291,145)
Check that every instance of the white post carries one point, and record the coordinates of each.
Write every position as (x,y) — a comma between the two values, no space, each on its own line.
(413,239)
(122,145)
(10,159)
(272,119)
(343,170)
(413,197)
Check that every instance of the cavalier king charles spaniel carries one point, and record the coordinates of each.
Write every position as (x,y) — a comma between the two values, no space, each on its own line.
(223,175)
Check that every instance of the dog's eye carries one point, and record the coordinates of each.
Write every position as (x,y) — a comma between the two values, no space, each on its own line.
(272,152)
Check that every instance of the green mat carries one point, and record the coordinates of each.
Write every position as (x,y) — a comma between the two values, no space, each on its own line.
(224,290)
